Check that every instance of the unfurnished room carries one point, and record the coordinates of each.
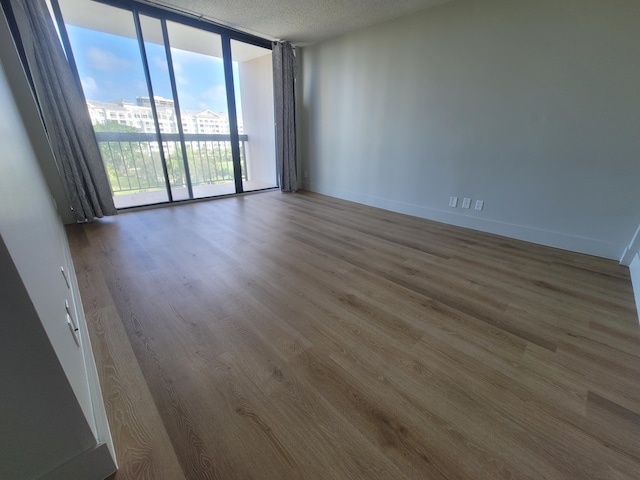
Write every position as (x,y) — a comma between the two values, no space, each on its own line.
(307,239)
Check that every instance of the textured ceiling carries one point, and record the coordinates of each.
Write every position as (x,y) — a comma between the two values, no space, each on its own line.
(301,22)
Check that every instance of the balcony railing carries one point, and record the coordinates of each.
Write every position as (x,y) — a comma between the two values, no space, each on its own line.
(133,162)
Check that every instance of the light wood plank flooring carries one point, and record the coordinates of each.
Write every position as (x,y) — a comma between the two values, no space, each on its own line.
(296,336)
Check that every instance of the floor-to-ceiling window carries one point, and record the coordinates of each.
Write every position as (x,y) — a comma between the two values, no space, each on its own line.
(181,109)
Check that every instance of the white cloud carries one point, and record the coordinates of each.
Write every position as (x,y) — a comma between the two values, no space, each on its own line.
(90,87)
(187,100)
(161,63)
(181,79)
(215,95)
(106,61)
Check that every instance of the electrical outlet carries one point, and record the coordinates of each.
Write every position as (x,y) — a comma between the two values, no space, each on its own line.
(453,201)
(466,203)
(306,174)
(479,204)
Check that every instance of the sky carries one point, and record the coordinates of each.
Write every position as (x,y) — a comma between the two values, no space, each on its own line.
(111,69)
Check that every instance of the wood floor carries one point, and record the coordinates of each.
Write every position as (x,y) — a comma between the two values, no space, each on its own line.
(296,336)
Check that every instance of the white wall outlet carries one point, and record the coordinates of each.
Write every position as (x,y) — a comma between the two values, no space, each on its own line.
(453,201)
(479,204)
(306,174)
(466,203)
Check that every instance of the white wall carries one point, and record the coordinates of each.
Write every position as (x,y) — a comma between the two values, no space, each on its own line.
(634,269)
(36,401)
(533,107)
(50,425)
(631,257)
(32,117)
(256,89)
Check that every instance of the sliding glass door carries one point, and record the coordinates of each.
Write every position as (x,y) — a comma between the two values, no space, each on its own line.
(253,74)
(113,80)
(179,112)
(201,86)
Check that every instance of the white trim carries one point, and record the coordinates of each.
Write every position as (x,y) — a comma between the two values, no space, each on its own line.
(100,424)
(94,464)
(634,270)
(632,249)
(590,246)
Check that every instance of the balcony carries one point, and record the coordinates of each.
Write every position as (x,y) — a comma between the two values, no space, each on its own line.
(132,92)
(133,163)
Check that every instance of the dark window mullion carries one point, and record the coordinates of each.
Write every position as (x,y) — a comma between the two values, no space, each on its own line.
(152,101)
(176,103)
(233,118)
(176,15)
(64,37)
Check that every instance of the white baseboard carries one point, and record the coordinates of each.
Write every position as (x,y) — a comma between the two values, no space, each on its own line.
(94,464)
(548,238)
(633,248)
(100,424)
(634,269)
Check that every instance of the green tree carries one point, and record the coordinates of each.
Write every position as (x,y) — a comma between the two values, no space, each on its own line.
(131,164)
(134,165)
(115,126)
